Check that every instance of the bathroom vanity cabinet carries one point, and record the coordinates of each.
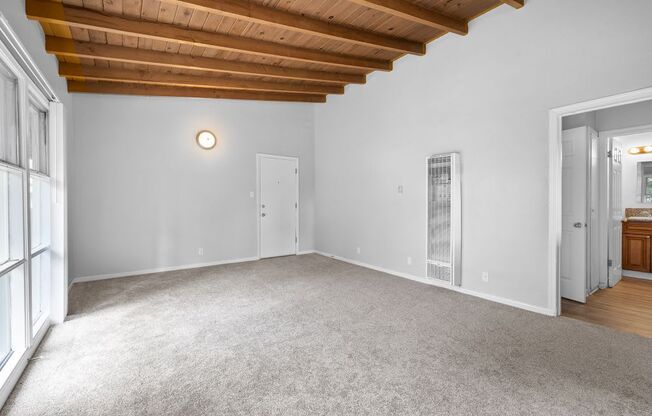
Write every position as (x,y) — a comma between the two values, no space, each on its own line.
(637,252)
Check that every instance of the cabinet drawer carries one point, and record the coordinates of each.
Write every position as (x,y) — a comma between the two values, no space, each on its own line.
(637,227)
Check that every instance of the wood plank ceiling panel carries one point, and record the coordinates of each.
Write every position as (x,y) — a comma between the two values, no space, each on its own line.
(171,33)
(343,40)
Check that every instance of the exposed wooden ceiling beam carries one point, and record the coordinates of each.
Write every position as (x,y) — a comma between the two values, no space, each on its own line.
(517,4)
(252,12)
(167,78)
(71,48)
(410,11)
(58,13)
(101,87)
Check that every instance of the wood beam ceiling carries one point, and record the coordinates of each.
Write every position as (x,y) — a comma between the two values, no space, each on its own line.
(297,50)
(517,4)
(142,76)
(102,87)
(58,13)
(72,48)
(410,11)
(252,12)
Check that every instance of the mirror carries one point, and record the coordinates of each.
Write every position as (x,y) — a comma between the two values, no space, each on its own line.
(644,182)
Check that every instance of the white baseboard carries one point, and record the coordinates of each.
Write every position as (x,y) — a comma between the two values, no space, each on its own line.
(493,298)
(168,269)
(8,382)
(159,270)
(637,275)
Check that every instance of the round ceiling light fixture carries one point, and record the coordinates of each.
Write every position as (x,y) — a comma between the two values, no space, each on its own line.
(206,139)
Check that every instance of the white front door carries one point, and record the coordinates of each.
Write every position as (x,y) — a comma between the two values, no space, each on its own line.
(278,209)
(574,214)
(615,212)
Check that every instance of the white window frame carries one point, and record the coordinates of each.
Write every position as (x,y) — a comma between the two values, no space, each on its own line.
(33,86)
(35,96)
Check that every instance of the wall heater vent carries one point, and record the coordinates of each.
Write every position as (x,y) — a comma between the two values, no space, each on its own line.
(444,218)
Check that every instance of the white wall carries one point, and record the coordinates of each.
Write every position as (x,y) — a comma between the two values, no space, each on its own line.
(145,196)
(630,172)
(486,95)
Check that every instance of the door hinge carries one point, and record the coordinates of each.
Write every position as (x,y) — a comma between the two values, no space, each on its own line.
(609,154)
(296,170)
(296,240)
(609,263)
(296,205)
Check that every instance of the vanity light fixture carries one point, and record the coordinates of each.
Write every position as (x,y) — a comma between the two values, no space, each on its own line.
(638,150)
(206,139)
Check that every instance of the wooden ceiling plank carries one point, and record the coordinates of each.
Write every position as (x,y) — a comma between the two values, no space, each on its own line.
(101,87)
(168,78)
(252,12)
(517,4)
(73,16)
(68,47)
(410,11)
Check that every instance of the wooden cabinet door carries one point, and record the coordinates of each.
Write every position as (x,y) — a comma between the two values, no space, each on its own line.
(636,252)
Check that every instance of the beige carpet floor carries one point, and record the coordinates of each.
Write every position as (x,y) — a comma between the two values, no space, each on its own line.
(310,335)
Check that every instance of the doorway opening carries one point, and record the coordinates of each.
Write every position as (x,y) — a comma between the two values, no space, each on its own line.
(603,268)
(278,205)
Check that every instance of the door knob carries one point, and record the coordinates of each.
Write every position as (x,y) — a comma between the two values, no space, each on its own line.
(263,214)
(577,225)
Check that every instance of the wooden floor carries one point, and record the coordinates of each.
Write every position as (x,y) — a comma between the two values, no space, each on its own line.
(626,307)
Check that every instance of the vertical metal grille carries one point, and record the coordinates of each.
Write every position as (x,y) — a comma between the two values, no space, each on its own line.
(441,244)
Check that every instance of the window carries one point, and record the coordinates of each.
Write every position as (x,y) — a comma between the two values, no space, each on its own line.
(24,166)
(39,211)
(5,319)
(39,205)
(11,310)
(38,140)
(40,272)
(9,151)
(11,231)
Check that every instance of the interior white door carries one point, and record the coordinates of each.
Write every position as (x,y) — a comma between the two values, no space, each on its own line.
(574,212)
(278,205)
(615,212)
(594,220)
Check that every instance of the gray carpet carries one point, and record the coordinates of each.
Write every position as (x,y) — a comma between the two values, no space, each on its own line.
(313,336)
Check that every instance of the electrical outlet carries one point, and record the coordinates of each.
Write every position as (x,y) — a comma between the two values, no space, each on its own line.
(200,251)
(409,261)
(357,250)
(400,190)
(485,277)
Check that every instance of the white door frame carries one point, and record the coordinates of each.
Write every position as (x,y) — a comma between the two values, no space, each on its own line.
(259,157)
(606,137)
(555,179)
